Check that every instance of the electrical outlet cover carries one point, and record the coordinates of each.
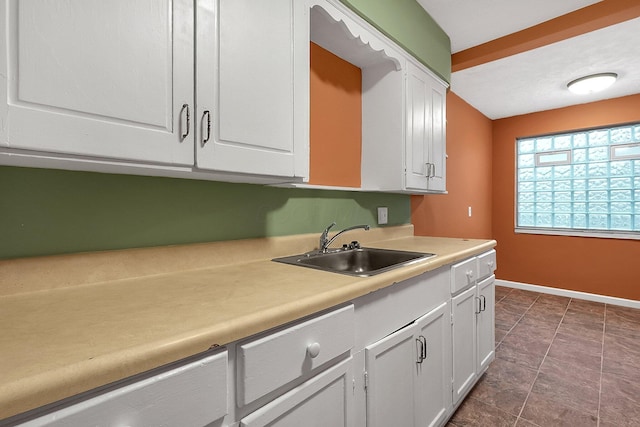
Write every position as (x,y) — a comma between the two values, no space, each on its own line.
(383,215)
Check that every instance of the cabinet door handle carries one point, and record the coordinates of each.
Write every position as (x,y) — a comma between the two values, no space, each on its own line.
(479,305)
(208,114)
(484,303)
(430,170)
(185,107)
(421,348)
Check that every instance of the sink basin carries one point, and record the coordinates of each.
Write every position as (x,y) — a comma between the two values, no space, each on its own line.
(362,262)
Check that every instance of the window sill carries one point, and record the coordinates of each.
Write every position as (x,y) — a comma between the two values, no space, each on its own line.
(580,233)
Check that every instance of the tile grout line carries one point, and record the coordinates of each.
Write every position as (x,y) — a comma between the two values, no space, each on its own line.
(604,328)
(517,321)
(507,334)
(543,359)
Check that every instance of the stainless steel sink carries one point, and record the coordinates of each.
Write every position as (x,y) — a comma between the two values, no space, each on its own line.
(361,262)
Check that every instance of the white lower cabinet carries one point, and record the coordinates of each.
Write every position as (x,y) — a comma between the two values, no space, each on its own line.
(463,334)
(472,321)
(486,318)
(434,369)
(191,395)
(299,375)
(486,323)
(408,373)
(324,400)
(298,351)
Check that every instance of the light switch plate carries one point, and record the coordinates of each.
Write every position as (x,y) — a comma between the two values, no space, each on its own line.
(383,215)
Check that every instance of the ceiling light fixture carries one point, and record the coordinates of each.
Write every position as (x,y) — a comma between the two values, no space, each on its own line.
(591,84)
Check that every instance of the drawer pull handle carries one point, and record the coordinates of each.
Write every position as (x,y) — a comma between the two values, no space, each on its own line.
(470,274)
(313,350)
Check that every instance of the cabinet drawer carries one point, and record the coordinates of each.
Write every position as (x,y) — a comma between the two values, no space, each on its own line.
(272,361)
(463,274)
(194,395)
(324,400)
(486,264)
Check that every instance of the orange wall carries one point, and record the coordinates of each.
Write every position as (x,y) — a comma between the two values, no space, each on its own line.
(335,128)
(593,265)
(468,179)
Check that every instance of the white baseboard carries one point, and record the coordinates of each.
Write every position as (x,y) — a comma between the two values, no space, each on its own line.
(571,294)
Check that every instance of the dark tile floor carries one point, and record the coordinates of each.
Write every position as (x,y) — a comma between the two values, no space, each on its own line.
(559,362)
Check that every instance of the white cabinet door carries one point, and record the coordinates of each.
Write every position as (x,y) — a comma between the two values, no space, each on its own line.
(252,86)
(485,323)
(418,136)
(101,78)
(463,311)
(433,397)
(437,149)
(409,373)
(425,165)
(324,400)
(391,365)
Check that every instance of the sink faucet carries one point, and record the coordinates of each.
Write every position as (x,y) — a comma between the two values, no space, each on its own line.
(325,242)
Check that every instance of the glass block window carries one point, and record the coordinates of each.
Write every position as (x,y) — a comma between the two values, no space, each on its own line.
(581,181)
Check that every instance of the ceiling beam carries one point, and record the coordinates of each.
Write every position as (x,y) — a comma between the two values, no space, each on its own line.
(581,21)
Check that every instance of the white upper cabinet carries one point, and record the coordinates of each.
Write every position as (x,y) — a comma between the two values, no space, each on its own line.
(206,89)
(425,163)
(403,104)
(112,86)
(107,79)
(252,87)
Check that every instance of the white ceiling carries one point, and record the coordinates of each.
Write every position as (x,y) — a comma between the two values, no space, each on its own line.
(534,80)
(472,22)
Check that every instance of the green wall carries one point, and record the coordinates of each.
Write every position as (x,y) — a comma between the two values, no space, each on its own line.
(407,23)
(47,211)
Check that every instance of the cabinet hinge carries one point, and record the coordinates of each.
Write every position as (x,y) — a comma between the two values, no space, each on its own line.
(366,380)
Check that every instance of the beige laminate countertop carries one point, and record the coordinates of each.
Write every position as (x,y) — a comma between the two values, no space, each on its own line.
(60,341)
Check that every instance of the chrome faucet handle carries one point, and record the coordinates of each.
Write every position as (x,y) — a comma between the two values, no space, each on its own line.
(322,245)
